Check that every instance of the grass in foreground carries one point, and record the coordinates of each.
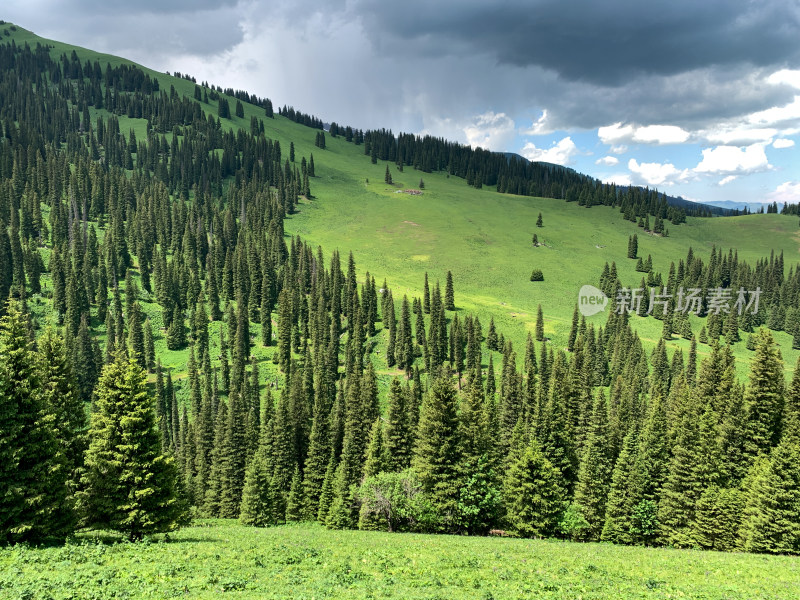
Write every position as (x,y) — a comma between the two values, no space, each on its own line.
(309,561)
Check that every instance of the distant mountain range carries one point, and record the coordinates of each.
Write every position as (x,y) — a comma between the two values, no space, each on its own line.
(751,206)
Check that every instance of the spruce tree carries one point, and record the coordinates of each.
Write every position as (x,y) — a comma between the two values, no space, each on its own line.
(791,405)
(149,345)
(573,332)
(731,331)
(265,312)
(397,443)
(84,363)
(490,380)
(491,336)
(234,468)
(257,496)
(294,502)
(130,485)
(220,455)
(764,396)
(650,467)
(343,512)
(594,472)
(479,496)
(449,295)
(539,324)
(426,296)
(772,514)
(136,340)
(618,506)
(717,518)
(732,429)
(436,454)
(374,458)
(176,333)
(691,364)
(223,109)
(534,497)
(683,485)
(316,459)
(33,469)
(326,493)
(633,246)
(62,400)
(283,457)
(556,428)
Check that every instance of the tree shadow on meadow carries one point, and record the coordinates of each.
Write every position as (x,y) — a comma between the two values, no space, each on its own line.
(111,538)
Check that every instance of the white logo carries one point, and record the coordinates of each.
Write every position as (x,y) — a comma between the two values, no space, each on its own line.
(591,301)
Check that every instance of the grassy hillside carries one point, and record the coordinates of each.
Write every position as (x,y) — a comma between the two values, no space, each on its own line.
(308,561)
(483,237)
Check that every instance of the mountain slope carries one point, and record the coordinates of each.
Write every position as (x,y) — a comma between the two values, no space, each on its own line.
(185,201)
(482,236)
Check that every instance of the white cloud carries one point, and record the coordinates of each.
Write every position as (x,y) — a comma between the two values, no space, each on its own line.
(657,173)
(661,134)
(786,76)
(608,161)
(492,131)
(777,114)
(771,121)
(619,179)
(738,135)
(647,134)
(727,180)
(539,126)
(611,134)
(733,160)
(620,149)
(560,153)
(782,143)
(788,191)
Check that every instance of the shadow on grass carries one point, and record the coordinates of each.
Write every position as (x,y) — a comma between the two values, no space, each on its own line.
(110,538)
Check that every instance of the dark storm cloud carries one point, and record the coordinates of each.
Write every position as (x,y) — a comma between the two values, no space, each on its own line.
(601,42)
(141,30)
(436,65)
(152,6)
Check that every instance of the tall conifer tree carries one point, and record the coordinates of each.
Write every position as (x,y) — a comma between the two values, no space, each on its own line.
(131,486)
(33,469)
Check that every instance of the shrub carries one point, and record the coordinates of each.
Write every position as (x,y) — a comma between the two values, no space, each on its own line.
(394,502)
(573,525)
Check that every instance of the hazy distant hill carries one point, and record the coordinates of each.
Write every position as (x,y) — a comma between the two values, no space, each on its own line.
(732,205)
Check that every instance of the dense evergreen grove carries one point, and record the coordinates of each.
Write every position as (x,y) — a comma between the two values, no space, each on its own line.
(596,442)
(723,290)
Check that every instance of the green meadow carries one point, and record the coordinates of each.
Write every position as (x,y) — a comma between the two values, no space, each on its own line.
(307,561)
